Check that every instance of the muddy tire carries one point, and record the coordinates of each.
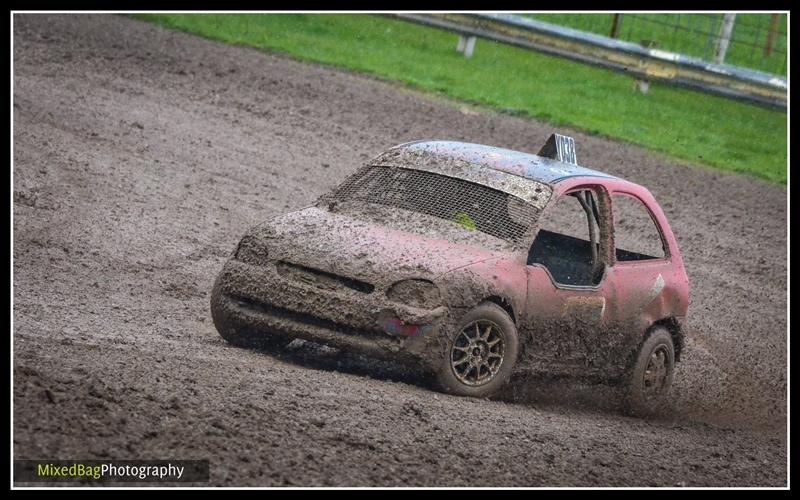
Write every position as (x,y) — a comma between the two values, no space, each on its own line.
(651,376)
(481,353)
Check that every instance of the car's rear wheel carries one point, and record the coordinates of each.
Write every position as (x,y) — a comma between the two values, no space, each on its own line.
(651,376)
(481,353)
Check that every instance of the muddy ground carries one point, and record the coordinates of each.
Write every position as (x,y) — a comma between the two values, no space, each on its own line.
(142,155)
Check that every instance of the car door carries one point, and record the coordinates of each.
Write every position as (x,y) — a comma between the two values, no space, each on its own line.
(640,270)
(568,285)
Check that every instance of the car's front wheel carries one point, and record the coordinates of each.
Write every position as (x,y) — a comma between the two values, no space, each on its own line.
(481,353)
(651,376)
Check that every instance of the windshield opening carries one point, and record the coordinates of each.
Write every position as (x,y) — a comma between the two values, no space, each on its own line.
(471,206)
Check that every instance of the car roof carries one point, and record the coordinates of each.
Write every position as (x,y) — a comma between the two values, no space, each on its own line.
(527,165)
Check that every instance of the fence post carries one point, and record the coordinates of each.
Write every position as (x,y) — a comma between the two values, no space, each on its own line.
(470,46)
(724,38)
(466,45)
(615,25)
(643,85)
(773,27)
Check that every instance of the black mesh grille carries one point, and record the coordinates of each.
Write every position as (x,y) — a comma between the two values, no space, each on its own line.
(469,204)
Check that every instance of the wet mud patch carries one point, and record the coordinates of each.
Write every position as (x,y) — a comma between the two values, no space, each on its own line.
(542,391)
(323,357)
(182,286)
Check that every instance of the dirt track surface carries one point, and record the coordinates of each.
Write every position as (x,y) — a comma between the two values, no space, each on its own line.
(140,158)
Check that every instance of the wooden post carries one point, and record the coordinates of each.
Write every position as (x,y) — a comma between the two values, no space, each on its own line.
(615,25)
(773,27)
(643,85)
(466,44)
(724,38)
(462,42)
(470,46)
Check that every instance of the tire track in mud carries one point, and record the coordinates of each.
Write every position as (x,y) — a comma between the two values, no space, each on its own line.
(142,155)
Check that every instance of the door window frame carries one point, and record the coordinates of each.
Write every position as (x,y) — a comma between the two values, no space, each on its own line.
(606,247)
(612,215)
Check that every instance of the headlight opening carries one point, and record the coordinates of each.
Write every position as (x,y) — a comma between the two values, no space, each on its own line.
(418,293)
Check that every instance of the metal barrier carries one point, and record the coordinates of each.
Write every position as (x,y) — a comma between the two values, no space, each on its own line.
(756,41)
(636,60)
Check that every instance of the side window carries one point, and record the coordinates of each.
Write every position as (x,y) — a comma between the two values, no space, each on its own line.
(567,242)
(636,235)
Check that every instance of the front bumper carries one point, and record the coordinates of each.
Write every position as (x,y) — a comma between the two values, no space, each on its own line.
(261,301)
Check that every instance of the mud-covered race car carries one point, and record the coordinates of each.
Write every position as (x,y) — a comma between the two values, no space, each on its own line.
(471,262)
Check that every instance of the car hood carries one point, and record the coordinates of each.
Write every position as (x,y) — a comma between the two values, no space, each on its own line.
(349,246)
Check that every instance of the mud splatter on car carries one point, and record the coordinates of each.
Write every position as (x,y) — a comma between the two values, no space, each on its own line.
(114,261)
(433,253)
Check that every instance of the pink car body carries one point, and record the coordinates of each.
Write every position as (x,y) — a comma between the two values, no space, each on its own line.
(610,318)
(391,261)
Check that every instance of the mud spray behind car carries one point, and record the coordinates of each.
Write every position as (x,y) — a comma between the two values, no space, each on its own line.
(461,261)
